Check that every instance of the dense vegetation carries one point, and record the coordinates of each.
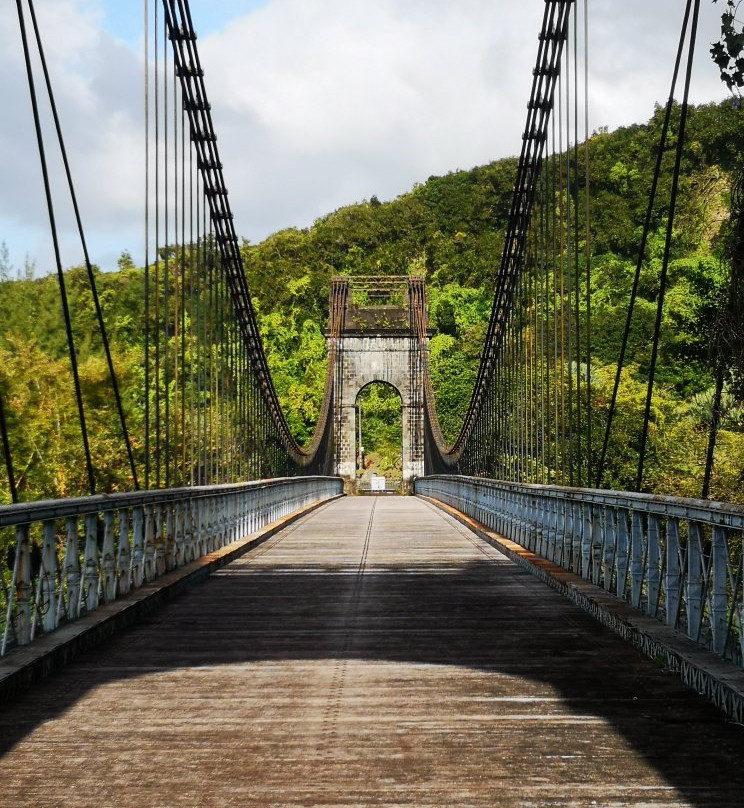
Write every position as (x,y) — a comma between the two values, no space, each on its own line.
(452,229)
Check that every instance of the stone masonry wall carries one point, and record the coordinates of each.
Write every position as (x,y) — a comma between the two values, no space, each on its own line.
(393,358)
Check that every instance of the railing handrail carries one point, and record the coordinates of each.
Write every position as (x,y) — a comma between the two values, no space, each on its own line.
(703,510)
(22,513)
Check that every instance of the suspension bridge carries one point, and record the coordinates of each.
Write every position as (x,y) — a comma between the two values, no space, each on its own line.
(235,626)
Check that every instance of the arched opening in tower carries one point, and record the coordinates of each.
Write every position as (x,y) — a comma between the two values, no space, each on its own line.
(379,436)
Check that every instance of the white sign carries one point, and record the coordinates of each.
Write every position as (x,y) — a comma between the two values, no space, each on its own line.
(377,483)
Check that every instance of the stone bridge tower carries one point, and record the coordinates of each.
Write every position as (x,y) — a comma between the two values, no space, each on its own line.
(377,341)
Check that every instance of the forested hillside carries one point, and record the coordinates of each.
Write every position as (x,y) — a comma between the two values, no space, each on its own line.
(451,228)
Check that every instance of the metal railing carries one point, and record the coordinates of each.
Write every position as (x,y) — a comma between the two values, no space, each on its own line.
(679,560)
(61,558)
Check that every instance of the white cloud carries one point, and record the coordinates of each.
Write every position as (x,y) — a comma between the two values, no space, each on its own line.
(632,58)
(349,98)
(316,104)
(96,82)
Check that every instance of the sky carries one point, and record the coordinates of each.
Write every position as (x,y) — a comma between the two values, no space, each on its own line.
(317,103)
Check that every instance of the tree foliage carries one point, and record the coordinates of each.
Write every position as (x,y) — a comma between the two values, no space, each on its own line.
(451,229)
(728,52)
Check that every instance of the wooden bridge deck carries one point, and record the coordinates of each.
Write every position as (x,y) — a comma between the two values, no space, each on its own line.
(373,653)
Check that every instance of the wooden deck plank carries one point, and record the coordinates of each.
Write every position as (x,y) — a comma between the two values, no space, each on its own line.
(375,652)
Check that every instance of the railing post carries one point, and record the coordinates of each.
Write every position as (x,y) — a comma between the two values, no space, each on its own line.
(609,546)
(250,509)
(636,560)
(192,531)
(653,553)
(108,560)
(585,529)
(576,548)
(521,520)
(215,524)
(694,602)
(48,577)
(493,509)
(90,562)
(244,531)
(222,521)
(234,501)
(23,586)
(528,522)
(718,605)
(208,534)
(673,575)
(549,527)
(195,529)
(502,512)
(534,524)
(232,506)
(180,536)
(493,505)
(160,539)
(201,525)
(224,517)
(621,556)
(597,535)
(553,546)
(169,545)
(483,507)
(124,559)
(149,546)
(71,569)
(184,530)
(538,522)
(261,510)
(541,522)
(565,533)
(138,546)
